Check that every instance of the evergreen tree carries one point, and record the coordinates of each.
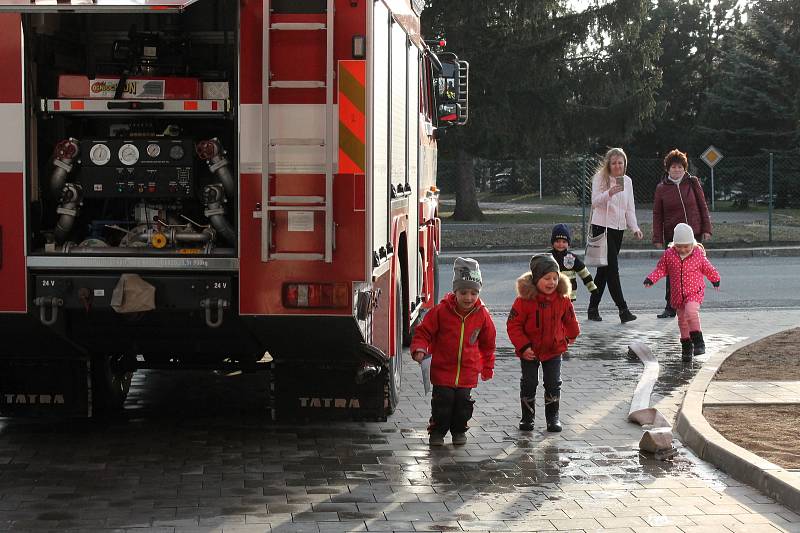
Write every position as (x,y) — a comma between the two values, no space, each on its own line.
(545,79)
(694,33)
(755,106)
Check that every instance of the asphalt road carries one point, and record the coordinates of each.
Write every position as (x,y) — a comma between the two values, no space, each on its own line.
(752,282)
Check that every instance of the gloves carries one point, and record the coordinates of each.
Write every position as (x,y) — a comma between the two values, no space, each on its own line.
(715,284)
(648,282)
(487,374)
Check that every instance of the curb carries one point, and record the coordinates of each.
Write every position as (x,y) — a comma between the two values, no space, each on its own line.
(515,255)
(745,466)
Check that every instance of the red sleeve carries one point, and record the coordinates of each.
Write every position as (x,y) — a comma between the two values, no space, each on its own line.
(658,216)
(571,327)
(661,269)
(426,332)
(702,206)
(709,271)
(515,326)
(486,341)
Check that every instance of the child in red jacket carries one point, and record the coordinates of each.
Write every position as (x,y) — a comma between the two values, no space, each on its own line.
(685,263)
(541,325)
(460,336)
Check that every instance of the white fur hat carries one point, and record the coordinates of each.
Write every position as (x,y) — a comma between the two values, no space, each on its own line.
(683,234)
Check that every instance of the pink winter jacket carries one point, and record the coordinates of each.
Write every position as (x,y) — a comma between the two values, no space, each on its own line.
(685,275)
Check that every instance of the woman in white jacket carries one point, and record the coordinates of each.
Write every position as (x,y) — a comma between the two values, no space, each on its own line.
(613,210)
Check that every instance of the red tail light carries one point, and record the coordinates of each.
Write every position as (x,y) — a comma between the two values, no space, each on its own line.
(307,295)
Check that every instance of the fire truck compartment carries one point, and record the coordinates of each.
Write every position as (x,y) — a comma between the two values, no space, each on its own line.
(133,145)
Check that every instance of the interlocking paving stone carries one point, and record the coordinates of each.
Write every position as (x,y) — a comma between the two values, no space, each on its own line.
(725,392)
(196,453)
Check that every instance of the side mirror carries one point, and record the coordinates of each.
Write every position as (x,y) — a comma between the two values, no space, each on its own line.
(451,89)
(448,114)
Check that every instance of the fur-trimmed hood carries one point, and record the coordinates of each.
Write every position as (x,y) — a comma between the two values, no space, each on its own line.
(527,290)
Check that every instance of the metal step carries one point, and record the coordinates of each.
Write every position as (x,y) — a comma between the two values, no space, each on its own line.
(298,256)
(297,199)
(299,84)
(297,142)
(297,26)
(295,208)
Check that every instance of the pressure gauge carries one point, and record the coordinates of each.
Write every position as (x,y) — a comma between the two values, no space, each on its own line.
(128,154)
(153,150)
(99,154)
(177,152)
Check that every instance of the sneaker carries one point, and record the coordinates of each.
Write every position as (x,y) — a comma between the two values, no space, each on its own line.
(459,439)
(436,440)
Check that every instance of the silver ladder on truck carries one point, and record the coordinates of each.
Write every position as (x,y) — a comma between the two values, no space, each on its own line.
(274,169)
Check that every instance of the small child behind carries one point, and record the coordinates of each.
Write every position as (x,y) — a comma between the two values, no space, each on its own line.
(460,336)
(568,263)
(685,263)
(541,325)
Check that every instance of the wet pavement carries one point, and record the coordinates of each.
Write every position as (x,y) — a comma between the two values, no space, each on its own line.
(195,452)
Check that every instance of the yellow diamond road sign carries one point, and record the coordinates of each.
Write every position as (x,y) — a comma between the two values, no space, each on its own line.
(711,156)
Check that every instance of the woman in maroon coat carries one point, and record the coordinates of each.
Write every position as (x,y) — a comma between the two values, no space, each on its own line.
(679,198)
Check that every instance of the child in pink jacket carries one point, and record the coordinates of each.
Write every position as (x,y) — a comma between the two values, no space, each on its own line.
(685,263)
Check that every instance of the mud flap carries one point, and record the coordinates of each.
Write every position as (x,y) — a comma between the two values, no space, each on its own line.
(44,387)
(326,390)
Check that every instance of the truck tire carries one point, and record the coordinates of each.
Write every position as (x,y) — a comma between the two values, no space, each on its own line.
(396,362)
(110,384)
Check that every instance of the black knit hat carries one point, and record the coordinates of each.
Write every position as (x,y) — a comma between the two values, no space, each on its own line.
(561,231)
(542,264)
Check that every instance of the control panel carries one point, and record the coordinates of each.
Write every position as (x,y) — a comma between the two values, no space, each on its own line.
(156,168)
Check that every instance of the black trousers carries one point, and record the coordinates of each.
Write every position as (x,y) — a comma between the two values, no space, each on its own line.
(451,409)
(609,275)
(551,376)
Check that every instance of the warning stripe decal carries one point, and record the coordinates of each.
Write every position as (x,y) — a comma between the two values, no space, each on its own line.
(352,120)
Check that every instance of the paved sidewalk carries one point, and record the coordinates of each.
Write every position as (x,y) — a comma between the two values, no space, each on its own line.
(197,455)
(752,392)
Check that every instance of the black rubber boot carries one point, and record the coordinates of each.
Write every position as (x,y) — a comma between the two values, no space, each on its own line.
(698,342)
(528,412)
(687,348)
(551,414)
(626,316)
(594,314)
(668,312)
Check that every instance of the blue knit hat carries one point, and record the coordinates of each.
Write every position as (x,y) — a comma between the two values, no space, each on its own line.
(561,231)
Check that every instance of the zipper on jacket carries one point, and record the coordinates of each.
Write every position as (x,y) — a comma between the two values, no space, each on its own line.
(683,292)
(461,343)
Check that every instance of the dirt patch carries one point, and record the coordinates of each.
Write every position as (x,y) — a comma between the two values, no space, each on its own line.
(774,358)
(769,431)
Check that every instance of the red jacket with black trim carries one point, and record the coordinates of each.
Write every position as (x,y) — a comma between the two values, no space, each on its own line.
(668,208)
(462,346)
(542,322)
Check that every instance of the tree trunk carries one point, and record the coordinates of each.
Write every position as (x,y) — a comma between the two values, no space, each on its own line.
(466,195)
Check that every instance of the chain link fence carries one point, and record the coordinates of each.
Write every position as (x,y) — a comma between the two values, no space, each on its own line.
(753,200)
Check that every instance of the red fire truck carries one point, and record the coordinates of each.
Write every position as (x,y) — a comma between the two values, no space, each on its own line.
(217,184)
